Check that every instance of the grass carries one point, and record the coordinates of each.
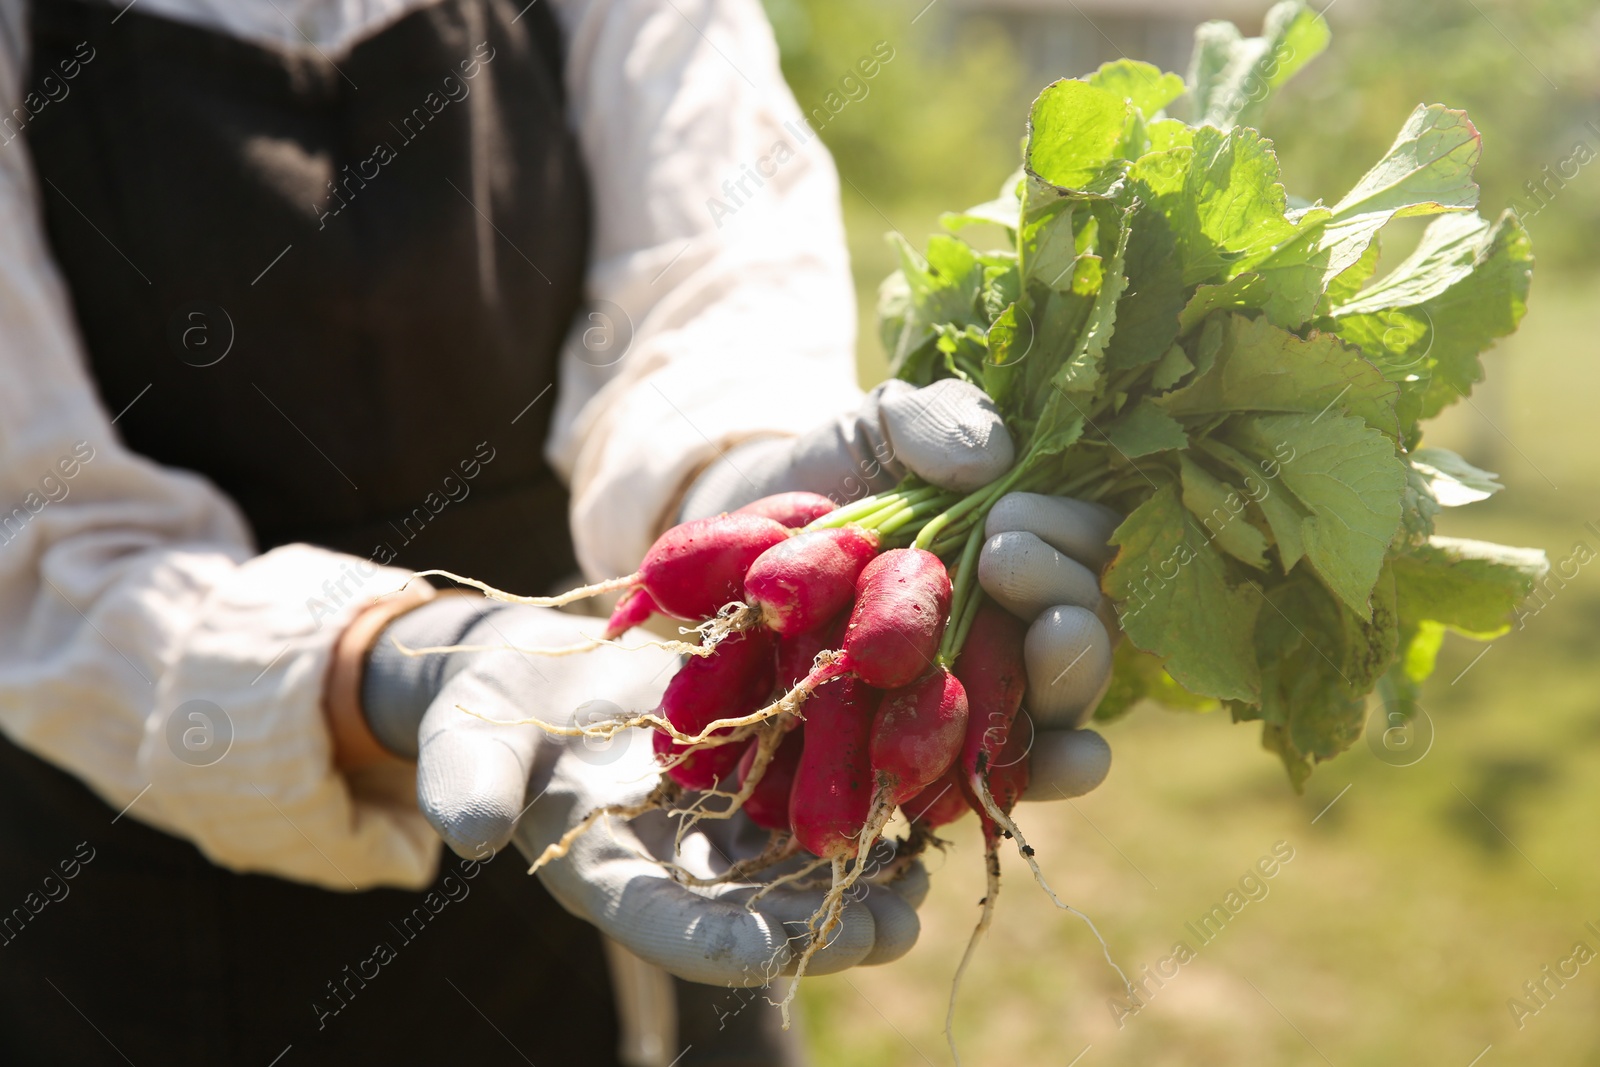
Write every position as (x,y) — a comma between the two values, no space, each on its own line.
(1420,898)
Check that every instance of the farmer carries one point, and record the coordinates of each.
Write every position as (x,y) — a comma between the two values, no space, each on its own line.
(297,298)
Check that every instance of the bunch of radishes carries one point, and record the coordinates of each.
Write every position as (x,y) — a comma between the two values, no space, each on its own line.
(839,678)
(829,695)
(835,683)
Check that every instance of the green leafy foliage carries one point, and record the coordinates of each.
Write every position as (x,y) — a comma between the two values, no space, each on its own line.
(1177,600)
(1146,87)
(1169,336)
(1144,429)
(1262,368)
(1232,76)
(1427,322)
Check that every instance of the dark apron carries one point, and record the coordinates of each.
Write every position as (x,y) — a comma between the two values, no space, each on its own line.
(336,287)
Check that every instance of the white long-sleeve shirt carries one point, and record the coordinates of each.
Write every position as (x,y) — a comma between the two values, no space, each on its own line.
(129,590)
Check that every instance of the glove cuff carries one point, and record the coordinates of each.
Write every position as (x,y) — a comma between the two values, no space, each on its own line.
(396,689)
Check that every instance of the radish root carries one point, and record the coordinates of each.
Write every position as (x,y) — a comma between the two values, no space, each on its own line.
(991,866)
(769,735)
(791,878)
(1009,826)
(733,618)
(832,907)
(790,703)
(588,645)
(828,668)
(605,731)
(583,592)
(781,847)
(659,797)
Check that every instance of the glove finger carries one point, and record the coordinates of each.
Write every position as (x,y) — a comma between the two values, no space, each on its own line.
(843,459)
(700,934)
(1079,528)
(895,923)
(894,909)
(1068,654)
(1066,763)
(696,935)
(473,773)
(472,776)
(948,433)
(848,943)
(912,885)
(1026,576)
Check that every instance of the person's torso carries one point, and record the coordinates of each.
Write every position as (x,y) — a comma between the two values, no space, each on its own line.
(336,286)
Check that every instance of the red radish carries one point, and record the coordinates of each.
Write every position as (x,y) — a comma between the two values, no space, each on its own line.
(832,793)
(636,606)
(733,680)
(902,601)
(768,804)
(799,584)
(700,770)
(941,803)
(793,510)
(690,572)
(994,755)
(917,735)
(695,568)
(995,676)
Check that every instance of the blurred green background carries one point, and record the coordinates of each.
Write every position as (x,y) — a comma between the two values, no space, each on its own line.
(1431,879)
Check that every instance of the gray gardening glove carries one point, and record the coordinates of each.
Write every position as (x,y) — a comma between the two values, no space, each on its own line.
(949,434)
(1042,563)
(483,784)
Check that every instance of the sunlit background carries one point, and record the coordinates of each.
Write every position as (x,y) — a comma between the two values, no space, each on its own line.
(1430,879)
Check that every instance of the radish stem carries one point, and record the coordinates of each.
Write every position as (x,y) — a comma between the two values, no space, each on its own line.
(964,598)
(868,505)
